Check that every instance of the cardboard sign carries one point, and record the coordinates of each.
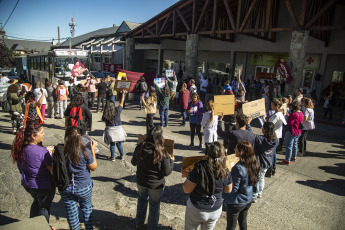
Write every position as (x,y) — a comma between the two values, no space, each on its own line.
(168,143)
(255,108)
(122,84)
(224,104)
(120,75)
(189,162)
(160,82)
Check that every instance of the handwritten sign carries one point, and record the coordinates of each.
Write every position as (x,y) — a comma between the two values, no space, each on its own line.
(120,85)
(168,143)
(255,108)
(224,104)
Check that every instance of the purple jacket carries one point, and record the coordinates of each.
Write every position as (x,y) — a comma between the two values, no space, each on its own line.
(198,112)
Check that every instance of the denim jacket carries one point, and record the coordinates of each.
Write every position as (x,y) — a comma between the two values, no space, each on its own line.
(242,193)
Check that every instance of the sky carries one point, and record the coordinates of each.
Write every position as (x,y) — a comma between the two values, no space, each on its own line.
(39,19)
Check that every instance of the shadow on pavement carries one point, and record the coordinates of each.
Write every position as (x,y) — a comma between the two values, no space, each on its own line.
(54,126)
(5,146)
(5,219)
(335,186)
(97,132)
(338,169)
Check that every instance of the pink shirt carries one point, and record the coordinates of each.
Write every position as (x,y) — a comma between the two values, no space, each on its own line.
(91,85)
(61,93)
(294,121)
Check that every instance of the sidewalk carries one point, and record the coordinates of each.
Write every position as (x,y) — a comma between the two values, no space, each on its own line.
(338,116)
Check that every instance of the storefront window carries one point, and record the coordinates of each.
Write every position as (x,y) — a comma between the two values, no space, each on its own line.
(308,77)
(218,68)
(265,73)
(338,76)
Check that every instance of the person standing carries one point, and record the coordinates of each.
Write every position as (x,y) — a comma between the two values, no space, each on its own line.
(61,93)
(245,175)
(153,164)
(102,91)
(308,124)
(150,108)
(16,109)
(172,86)
(204,206)
(203,87)
(183,97)
(91,90)
(299,96)
(32,112)
(50,99)
(209,122)
(195,110)
(192,88)
(141,88)
(80,161)
(163,101)
(35,166)
(72,88)
(329,105)
(38,93)
(114,133)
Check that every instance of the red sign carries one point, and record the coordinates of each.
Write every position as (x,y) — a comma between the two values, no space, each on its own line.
(264,75)
(78,69)
(283,69)
(112,68)
(134,78)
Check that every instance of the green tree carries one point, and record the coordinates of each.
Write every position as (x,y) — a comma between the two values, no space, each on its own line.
(6,57)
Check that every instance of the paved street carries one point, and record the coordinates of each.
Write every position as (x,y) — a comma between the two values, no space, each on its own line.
(309,194)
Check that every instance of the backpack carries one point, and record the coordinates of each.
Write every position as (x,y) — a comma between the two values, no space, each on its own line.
(6,107)
(75,117)
(143,87)
(60,171)
(229,92)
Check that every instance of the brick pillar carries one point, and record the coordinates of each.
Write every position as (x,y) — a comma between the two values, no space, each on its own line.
(298,47)
(191,58)
(129,54)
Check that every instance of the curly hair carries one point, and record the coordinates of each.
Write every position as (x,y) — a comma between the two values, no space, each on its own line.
(248,160)
(77,101)
(110,112)
(308,103)
(73,143)
(217,160)
(12,89)
(269,131)
(276,103)
(23,138)
(294,106)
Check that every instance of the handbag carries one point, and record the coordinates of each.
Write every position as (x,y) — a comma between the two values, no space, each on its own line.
(300,125)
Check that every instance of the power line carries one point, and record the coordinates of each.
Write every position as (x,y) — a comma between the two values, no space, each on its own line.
(21,35)
(11,13)
(28,39)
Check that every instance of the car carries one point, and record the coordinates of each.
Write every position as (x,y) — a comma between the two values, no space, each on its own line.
(97,74)
(108,73)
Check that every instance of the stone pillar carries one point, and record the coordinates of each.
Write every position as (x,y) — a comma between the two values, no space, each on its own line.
(232,65)
(298,48)
(129,54)
(191,58)
(160,62)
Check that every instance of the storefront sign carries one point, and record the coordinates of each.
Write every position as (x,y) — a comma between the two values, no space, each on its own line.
(265,76)
(283,69)
(312,61)
(70,53)
(267,59)
(112,68)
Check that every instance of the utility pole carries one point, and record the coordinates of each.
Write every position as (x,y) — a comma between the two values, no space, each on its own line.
(72,30)
(59,35)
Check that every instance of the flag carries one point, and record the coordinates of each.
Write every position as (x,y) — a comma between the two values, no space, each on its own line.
(283,70)
(78,69)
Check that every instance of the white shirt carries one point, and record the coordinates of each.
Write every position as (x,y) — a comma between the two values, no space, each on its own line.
(4,79)
(278,120)
(210,130)
(309,123)
(38,95)
(203,83)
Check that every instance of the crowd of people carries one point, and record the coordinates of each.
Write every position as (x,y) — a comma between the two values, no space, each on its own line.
(211,185)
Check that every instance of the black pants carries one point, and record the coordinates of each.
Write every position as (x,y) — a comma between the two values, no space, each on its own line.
(43,198)
(330,110)
(193,128)
(149,122)
(228,127)
(91,99)
(101,98)
(281,140)
(302,141)
(237,213)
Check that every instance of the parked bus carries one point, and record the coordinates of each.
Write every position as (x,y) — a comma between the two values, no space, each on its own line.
(54,65)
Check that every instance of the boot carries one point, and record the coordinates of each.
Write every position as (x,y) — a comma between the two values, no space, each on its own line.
(273,171)
(269,173)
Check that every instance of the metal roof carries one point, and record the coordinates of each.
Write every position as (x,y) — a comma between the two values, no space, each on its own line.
(27,46)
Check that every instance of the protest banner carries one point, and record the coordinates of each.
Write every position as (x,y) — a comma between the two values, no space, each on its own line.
(122,84)
(224,104)
(255,108)
(78,69)
(168,143)
(189,162)
(160,82)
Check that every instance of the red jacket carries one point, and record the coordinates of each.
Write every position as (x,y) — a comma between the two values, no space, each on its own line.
(183,99)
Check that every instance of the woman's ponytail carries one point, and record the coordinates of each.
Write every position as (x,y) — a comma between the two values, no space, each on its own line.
(17,152)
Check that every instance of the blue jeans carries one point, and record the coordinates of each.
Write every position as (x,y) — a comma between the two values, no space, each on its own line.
(140,99)
(259,187)
(153,197)
(291,146)
(119,147)
(163,113)
(184,115)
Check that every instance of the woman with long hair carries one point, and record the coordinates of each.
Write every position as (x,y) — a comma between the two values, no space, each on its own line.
(38,94)
(209,122)
(80,161)
(245,175)
(195,110)
(150,105)
(32,109)
(35,166)
(163,101)
(308,123)
(296,118)
(204,206)
(153,163)
(114,133)
(183,97)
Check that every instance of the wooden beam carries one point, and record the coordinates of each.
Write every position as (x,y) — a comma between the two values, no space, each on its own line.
(247,15)
(292,13)
(214,15)
(174,22)
(320,13)
(281,29)
(165,22)
(166,35)
(205,32)
(303,12)
(268,14)
(225,31)
(228,11)
(239,11)
(157,28)
(201,15)
(183,20)
(148,30)
(323,28)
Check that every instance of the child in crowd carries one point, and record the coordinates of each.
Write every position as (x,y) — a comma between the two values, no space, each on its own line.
(163,101)
(150,108)
(209,122)
(195,110)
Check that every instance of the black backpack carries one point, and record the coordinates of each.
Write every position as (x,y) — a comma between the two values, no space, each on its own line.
(60,171)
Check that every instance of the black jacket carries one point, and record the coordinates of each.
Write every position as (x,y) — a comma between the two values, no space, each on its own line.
(102,88)
(87,118)
(150,175)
